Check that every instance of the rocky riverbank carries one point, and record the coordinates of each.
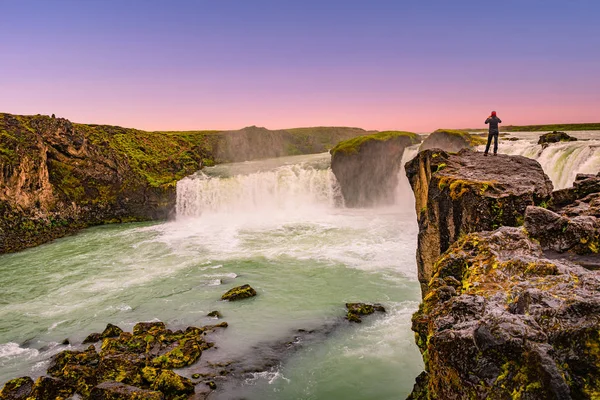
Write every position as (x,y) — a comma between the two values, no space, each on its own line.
(508,310)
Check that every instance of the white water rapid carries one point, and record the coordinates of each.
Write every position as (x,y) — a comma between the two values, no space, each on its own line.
(560,161)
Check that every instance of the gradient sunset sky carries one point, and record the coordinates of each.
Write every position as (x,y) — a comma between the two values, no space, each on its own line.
(410,65)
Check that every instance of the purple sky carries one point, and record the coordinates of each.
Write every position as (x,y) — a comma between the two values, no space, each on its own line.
(411,65)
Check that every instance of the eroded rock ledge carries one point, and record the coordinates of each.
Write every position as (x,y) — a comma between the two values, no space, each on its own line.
(456,194)
(499,319)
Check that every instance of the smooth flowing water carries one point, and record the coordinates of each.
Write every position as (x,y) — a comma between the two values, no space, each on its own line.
(277,225)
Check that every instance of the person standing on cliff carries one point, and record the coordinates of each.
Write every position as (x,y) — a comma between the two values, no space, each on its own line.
(493,120)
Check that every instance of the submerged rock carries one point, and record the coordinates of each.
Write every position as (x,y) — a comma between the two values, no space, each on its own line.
(456,194)
(367,167)
(554,137)
(214,314)
(357,310)
(238,293)
(451,140)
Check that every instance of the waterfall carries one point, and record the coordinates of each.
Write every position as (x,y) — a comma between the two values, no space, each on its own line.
(560,161)
(289,183)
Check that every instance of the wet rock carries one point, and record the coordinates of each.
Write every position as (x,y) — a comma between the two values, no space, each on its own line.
(172,385)
(515,324)
(17,389)
(119,391)
(451,140)
(357,310)
(212,385)
(152,328)
(111,331)
(88,357)
(554,137)
(186,353)
(366,167)
(92,338)
(466,192)
(47,388)
(214,314)
(583,185)
(579,234)
(238,293)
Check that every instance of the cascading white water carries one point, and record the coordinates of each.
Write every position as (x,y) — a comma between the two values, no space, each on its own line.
(266,185)
(560,161)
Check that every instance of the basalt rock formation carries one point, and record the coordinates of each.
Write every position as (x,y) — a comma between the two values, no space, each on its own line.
(367,167)
(451,140)
(500,319)
(466,192)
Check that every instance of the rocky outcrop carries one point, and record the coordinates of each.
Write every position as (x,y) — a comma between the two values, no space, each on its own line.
(134,365)
(57,176)
(367,167)
(457,194)
(451,140)
(500,318)
(500,321)
(555,137)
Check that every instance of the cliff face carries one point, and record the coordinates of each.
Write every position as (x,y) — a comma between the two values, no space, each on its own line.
(367,167)
(508,310)
(466,192)
(57,176)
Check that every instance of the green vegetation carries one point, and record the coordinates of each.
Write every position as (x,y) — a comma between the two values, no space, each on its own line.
(466,136)
(595,126)
(353,145)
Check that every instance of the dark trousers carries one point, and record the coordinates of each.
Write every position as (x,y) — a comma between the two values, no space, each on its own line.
(490,136)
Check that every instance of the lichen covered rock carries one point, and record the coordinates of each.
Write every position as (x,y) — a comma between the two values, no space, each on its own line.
(500,321)
(238,293)
(17,389)
(367,167)
(456,194)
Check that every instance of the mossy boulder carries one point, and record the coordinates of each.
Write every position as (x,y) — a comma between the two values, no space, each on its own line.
(239,293)
(456,194)
(367,167)
(555,137)
(47,388)
(110,331)
(500,321)
(451,140)
(120,391)
(357,310)
(17,389)
(173,386)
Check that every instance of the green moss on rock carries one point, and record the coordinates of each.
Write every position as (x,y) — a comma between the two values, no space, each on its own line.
(238,293)
(353,146)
